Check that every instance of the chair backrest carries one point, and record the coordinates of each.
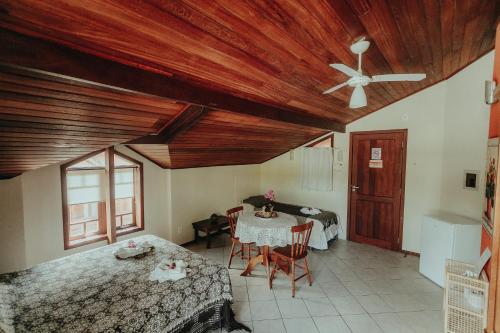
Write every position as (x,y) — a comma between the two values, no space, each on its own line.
(300,238)
(232,216)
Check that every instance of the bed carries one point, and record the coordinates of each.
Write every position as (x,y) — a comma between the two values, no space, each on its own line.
(94,292)
(325,223)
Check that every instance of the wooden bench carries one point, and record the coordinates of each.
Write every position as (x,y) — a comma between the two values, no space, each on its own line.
(211,226)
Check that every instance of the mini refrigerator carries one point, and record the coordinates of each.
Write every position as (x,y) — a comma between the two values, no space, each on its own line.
(447,236)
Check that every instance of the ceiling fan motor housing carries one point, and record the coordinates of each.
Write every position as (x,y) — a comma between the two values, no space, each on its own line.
(360,46)
(362,80)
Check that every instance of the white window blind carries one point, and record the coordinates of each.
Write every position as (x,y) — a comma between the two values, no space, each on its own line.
(85,186)
(317,169)
(124,183)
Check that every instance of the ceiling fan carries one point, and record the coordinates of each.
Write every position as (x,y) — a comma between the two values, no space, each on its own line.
(358,80)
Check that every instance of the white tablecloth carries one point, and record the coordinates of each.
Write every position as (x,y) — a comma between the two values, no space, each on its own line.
(273,232)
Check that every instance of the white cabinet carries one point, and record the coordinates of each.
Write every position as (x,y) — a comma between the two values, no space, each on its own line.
(447,236)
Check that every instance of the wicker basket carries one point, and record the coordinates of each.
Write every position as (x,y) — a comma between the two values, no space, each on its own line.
(465,300)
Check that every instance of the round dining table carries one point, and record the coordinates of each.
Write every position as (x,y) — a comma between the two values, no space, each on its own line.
(264,232)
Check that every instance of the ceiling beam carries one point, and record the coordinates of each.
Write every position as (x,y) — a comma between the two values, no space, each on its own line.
(182,122)
(41,55)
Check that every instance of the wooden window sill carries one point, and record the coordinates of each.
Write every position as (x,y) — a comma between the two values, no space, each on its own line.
(129,230)
(85,241)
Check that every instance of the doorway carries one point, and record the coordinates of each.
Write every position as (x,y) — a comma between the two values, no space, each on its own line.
(376,187)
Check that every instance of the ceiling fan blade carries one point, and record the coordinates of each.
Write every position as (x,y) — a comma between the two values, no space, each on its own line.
(345,69)
(332,89)
(358,97)
(398,77)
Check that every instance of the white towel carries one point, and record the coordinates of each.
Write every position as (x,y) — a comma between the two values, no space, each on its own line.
(127,252)
(310,211)
(161,274)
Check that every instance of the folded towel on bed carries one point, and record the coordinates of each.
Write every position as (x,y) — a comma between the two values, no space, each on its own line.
(132,249)
(163,271)
(310,211)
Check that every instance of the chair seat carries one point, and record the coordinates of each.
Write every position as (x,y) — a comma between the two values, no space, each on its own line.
(237,239)
(286,251)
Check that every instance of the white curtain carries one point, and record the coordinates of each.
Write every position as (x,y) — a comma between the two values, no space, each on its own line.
(124,183)
(317,169)
(85,186)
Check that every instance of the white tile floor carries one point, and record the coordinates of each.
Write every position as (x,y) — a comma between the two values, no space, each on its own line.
(356,288)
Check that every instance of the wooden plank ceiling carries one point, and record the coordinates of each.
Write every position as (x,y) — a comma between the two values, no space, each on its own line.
(255,71)
(222,138)
(46,119)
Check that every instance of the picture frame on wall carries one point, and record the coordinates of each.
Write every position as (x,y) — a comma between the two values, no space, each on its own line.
(471,180)
(490,177)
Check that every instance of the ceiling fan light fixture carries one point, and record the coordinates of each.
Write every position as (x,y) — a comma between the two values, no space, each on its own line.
(358,80)
(358,97)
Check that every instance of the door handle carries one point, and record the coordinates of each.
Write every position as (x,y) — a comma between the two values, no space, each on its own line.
(354,188)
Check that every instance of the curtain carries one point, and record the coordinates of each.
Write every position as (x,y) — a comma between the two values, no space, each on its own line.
(124,183)
(85,186)
(317,169)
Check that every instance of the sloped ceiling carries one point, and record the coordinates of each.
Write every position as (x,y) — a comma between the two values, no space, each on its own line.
(257,69)
(223,138)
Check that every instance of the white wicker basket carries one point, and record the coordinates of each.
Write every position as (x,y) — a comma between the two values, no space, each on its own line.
(465,300)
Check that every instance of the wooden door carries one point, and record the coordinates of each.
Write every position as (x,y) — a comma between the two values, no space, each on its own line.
(376,187)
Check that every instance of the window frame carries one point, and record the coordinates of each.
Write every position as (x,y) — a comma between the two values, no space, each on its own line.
(139,223)
(101,220)
(137,216)
(315,142)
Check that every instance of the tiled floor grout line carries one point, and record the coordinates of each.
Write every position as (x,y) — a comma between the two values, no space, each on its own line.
(397,269)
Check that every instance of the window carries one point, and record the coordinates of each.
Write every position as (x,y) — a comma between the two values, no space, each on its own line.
(86,197)
(326,142)
(317,165)
(125,193)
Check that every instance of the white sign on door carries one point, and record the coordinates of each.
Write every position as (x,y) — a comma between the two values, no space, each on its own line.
(376,154)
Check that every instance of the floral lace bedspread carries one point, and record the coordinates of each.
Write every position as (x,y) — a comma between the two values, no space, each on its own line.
(95,292)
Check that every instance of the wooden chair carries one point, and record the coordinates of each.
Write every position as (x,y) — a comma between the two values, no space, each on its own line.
(232,216)
(285,258)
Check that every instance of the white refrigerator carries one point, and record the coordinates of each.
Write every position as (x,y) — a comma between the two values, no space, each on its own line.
(447,236)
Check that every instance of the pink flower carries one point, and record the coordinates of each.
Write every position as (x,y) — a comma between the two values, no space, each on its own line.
(269,195)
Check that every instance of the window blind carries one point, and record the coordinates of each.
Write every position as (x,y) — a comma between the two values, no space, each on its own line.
(85,186)
(124,183)
(317,169)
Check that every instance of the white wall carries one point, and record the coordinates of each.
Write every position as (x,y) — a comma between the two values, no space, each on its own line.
(465,137)
(197,193)
(31,226)
(425,135)
(447,130)
(423,115)
(12,251)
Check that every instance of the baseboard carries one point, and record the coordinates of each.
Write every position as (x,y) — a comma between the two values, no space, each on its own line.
(204,238)
(188,243)
(416,254)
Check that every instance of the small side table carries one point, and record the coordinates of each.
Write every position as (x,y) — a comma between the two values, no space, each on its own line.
(210,227)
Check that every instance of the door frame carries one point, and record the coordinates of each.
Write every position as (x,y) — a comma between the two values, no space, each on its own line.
(404,131)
